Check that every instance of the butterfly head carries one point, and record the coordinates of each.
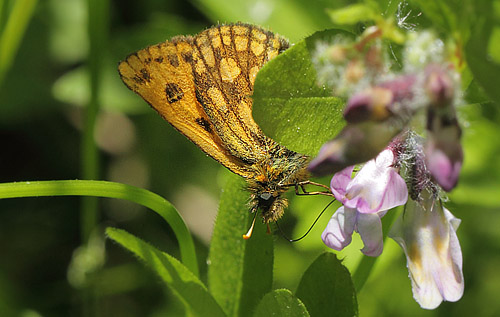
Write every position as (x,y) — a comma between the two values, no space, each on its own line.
(273,177)
(272,205)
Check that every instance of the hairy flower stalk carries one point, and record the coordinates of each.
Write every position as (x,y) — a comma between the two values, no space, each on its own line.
(400,167)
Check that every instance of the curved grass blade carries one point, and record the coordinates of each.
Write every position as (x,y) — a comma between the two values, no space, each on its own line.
(13,32)
(111,190)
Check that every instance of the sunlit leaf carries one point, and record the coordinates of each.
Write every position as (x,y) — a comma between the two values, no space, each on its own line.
(326,288)
(281,302)
(289,104)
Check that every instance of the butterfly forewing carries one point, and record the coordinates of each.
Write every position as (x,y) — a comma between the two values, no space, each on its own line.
(202,86)
(162,75)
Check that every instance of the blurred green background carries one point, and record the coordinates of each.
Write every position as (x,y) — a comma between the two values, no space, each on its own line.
(63,64)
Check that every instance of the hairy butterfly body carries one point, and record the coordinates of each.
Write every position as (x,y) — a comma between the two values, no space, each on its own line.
(202,85)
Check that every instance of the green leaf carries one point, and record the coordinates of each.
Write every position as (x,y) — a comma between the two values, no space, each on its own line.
(453,18)
(281,302)
(290,106)
(177,277)
(326,288)
(240,271)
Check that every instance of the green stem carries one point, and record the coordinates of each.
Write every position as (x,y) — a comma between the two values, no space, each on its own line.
(367,263)
(3,7)
(10,38)
(111,190)
(98,11)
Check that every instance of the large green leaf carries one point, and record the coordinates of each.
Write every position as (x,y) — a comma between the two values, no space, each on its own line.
(281,302)
(479,50)
(177,277)
(326,288)
(240,271)
(440,13)
(290,106)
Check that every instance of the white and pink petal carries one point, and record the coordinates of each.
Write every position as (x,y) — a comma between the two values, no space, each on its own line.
(338,233)
(434,258)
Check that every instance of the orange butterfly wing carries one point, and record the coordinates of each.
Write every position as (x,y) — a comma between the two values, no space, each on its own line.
(202,86)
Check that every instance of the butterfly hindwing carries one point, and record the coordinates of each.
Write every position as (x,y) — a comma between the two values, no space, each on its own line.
(225,67)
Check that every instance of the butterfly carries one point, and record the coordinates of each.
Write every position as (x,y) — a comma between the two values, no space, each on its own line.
(202,85)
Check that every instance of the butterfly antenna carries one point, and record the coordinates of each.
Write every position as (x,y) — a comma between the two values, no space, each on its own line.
(310,228)
(247,235)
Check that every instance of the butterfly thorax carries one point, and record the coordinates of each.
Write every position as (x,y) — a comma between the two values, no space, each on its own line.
(281,170)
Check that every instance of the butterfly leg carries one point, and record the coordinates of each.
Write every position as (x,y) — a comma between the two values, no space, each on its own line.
(302,185)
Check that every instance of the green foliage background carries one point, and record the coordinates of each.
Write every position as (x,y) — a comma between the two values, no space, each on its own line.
(59,64)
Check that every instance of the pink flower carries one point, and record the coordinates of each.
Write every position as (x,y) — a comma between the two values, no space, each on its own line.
(427,233)
(376,188)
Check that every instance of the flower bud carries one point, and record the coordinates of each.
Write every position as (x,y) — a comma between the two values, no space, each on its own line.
(439,86)
(391,98)
(356,143)
(443,151)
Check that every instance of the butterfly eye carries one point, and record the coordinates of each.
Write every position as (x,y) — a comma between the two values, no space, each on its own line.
(265,196)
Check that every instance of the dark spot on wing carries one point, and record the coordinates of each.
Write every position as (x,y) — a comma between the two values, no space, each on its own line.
(145,74)
(202,122)
(138,79)
(188,57)
(173,92)
(174,61)
(200,97)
